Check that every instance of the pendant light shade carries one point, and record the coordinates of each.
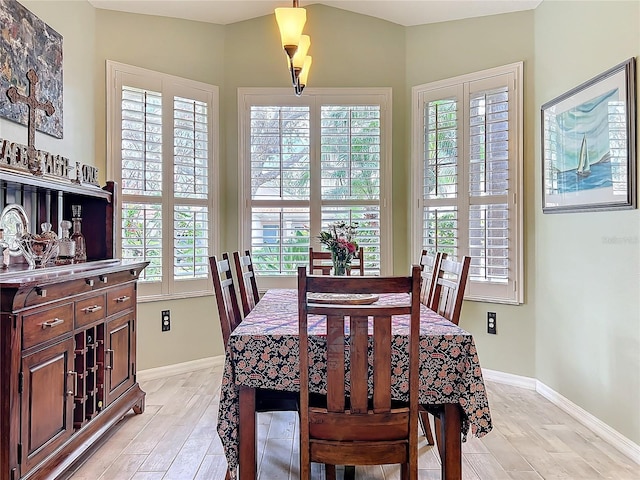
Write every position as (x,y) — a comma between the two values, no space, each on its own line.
(301,53)
(290,22)
(304,73)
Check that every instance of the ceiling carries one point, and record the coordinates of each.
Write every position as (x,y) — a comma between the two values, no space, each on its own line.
(402,12)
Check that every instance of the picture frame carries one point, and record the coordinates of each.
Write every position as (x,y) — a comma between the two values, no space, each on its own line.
(589,145)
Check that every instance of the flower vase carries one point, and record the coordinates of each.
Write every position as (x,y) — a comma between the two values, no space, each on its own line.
(340,265)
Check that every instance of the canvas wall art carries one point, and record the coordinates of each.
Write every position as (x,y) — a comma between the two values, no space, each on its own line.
(27,42)
(589,145)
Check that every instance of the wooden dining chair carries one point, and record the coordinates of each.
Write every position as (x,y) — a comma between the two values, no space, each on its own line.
(230,318)
(450,280)
(246,281)
(359,427)
(321,262)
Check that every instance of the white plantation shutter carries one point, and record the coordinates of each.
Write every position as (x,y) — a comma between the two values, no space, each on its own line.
(162,156)
(141,237)
(190,189)
(489,171)
(441,170)
(350,166)
(468,150)
(280,187)
(307,162)
(141,142)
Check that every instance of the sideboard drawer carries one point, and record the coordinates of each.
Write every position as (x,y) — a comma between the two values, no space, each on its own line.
(53,292)
(121,298)
(44,325)
(89,310)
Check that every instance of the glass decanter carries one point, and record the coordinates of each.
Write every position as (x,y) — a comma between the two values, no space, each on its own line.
(66,246)
(77,237)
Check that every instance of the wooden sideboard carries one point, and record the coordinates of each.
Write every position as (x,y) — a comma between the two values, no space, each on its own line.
(67,334)
(67,363)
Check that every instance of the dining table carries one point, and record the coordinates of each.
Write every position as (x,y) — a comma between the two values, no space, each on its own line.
(263,352)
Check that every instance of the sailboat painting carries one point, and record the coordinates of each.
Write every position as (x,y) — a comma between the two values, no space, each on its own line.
(588,144)
(584,155)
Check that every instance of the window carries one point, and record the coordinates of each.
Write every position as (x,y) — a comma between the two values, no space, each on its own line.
(309,161)
(467,162)
(161,151)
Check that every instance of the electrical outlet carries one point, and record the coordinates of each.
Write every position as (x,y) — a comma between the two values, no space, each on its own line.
(166,320)
(491,323)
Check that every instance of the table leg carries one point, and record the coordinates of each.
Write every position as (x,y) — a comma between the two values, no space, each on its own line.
(452,442)
(247,432)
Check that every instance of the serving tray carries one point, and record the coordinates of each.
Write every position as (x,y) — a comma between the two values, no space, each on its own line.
(343,298)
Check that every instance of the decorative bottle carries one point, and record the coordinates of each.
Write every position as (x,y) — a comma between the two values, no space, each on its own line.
(4,250)
(77,237)
(66,246)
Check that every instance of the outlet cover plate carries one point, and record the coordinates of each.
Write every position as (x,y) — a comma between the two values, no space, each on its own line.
(166,320)
(491,323)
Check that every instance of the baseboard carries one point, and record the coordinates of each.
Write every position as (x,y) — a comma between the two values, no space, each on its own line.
(179,368)
(597,426)
(509,379)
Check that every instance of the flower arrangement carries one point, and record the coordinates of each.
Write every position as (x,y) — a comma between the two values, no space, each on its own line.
(339,240)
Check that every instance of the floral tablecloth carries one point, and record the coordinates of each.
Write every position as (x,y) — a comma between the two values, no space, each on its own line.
(263,353)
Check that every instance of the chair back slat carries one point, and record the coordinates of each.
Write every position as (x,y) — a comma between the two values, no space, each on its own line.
(382,362)
(335,364)
(450,283)
(359,358)
(364,427)
(429,264)
(226,298)
(247,283)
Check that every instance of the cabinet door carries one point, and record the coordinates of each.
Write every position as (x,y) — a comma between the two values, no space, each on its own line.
(47,401)
(119,356)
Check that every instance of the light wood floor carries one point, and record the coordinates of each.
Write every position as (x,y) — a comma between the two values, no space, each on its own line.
(175,439)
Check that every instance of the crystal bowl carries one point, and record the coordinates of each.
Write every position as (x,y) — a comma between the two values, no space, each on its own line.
(38,250)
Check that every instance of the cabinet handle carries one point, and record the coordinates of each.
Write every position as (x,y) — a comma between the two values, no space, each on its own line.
(103,278)
(74,392)
(123,299)
(89,281)
(52,323)
(92,309)
(41,292)
(109,352)
(133,272)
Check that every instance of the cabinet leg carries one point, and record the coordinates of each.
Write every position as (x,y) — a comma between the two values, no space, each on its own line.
(138,407)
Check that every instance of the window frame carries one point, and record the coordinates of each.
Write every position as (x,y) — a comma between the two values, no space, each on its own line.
(315,98)
(170,86)
(513,291)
